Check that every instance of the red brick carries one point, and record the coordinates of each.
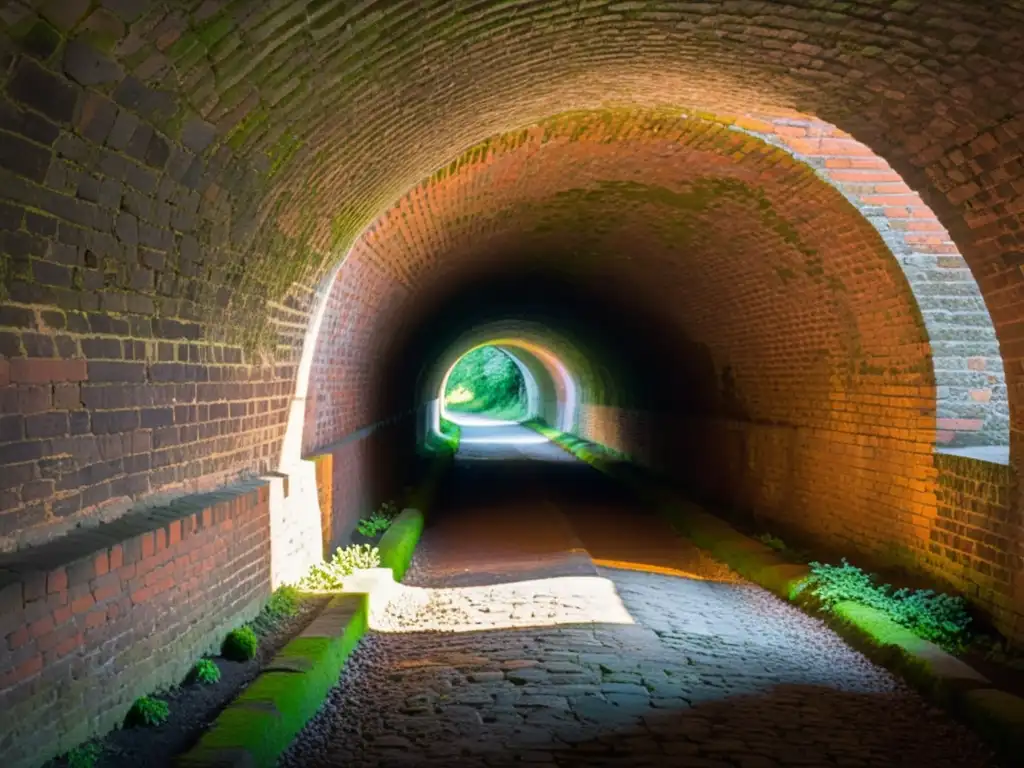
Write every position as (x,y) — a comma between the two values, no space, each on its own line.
(94,619)
(69,645)
(18,638)
(148,546)
(45,371)
(23,671)
(116,557)
(82,604)
(102,563)
(62,614)
(41,627)
(57,581)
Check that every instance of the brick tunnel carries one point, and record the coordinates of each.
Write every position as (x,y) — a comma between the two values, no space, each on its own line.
(766,252)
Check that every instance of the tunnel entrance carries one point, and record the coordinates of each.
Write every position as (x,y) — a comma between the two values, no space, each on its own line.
(491,383)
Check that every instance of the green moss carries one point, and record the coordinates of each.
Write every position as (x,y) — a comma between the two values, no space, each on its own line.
(399,542)
(246,126)
(211,31)
(182,46)
(265,718)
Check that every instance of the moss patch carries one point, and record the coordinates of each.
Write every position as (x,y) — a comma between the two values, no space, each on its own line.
(399,542)
(258,726)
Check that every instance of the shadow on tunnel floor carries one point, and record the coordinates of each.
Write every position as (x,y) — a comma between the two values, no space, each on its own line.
(591,695)
(500,521)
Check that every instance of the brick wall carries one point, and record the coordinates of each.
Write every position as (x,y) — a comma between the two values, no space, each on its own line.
(951,519)
(972,405)
(177,177)
(88,625)
(355,476)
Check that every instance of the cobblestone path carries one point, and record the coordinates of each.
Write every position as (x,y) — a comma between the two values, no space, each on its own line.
(547,620)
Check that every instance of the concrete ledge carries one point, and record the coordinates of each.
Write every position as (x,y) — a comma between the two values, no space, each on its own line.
(257,727)
(399,542)
(998,716)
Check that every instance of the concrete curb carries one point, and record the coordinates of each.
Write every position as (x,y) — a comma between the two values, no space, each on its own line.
(263,720)
(998,716)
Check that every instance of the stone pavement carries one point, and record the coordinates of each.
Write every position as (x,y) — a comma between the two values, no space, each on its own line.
(668,658)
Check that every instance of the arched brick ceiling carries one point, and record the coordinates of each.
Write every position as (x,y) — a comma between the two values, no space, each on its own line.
(177,177)
(738,249)
(324,112)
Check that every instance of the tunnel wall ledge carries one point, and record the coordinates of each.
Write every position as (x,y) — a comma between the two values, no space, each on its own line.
(258,726)
(996,714)
(105,615)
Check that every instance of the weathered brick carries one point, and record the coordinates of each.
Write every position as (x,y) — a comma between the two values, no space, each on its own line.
(36,371)
(46,425)
(110,371)
(24,157)
(43,90)
(88,66)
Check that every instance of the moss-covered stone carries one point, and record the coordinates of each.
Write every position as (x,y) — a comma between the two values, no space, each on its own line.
(399,541)
(260,724)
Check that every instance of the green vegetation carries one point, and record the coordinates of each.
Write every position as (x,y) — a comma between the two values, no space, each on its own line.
(84,755)
(398,544)
(206,672)
(282,605)
(446,442)
(941,619)
(772,541)
(378,521)
(330,575)
(240,644)
(488,382)
(148,711)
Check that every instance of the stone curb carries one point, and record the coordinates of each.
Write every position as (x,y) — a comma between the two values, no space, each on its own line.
(998,716)
(255,729)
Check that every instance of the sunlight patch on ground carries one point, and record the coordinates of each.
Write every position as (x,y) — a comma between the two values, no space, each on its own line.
(627,565)
(533,603)
(506,440)
(468,420)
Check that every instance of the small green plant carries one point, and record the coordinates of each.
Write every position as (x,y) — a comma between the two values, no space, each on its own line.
(206,671)
(330,575)
(84,755)
(148,711)
(283,603)
(772,541)
(240,644)
(941,619)
(378,521)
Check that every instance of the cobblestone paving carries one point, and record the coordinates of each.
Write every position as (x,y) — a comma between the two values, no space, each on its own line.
(618,667)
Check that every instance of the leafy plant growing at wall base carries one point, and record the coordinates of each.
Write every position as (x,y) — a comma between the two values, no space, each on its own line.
(772,541)
(379,520)
(330,575)
(941,619)
(206,671)
(147,711)
(240,644)
(282,605)
(84,755)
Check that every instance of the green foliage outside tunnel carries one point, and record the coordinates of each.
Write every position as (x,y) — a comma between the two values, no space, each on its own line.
(487,382)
